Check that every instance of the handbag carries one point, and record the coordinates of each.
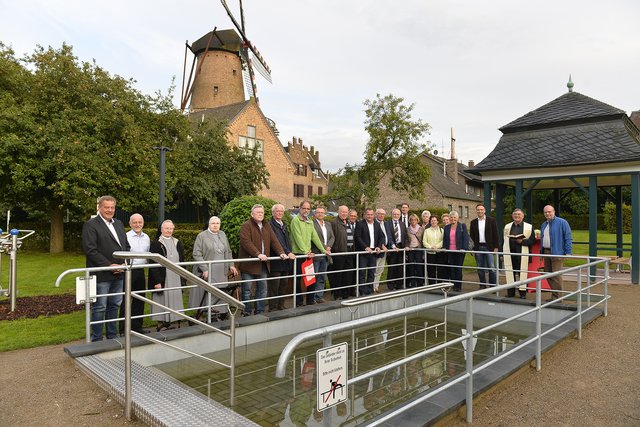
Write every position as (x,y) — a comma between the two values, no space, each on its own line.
(308,273)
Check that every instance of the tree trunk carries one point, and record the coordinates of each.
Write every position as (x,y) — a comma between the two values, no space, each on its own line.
(56,240)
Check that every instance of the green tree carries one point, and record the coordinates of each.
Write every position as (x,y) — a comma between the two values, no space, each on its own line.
(74,132)
(210,172)
(394,152)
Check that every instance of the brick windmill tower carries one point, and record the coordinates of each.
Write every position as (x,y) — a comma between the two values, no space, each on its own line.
(225,62)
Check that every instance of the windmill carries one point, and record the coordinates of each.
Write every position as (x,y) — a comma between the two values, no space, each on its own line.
(249,54)
(211,85)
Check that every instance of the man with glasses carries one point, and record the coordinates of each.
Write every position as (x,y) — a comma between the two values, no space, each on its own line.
(555,234)
(303,235)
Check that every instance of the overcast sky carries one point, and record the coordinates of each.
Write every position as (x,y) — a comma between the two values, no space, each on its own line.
(471,65)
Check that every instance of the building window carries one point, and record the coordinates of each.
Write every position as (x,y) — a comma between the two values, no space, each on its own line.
(251,144)
(298,190)
(215,91)
(301,170)
(319,191)
(466,188)
(466,211)
(309,190)
(460,211)
(450,207)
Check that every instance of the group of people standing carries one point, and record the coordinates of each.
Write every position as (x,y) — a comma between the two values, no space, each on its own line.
(330,245)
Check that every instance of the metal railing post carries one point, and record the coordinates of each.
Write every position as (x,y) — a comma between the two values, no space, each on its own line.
(404,269)
(128,398)
(579,304)
(13,268)
(326,418)
(232,355)
(358,275)
(606,287)
(295,281)
(469,360)
(496,264)
(538,325)
(87,305)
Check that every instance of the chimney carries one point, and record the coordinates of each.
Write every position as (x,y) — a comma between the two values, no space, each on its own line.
(451,168)
(453,146)
(471,163)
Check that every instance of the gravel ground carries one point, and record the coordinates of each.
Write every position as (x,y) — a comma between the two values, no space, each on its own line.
(591,382)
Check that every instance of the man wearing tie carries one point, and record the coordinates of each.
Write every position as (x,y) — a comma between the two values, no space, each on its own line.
(380,214)
(103,235)
(280,269)
(405,214)
(368,238)
(398,239)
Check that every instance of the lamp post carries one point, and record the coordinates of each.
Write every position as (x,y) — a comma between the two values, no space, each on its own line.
(163,150)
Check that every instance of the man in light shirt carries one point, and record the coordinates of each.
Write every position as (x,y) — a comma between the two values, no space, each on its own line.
(139,242)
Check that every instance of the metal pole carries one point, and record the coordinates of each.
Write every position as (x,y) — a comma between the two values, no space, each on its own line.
(358,275)
(295,281)
(606,287)
(404,270)
(161,191)
(13,268)
(87,306)
(496,264)
(127,343)
(232,356)
(538,325)
(580,304)
(326,418)
(469,361)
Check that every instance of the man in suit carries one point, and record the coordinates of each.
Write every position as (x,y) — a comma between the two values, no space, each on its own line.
(103,235)
(398,240)
(380,214)
(484,232)
(404,217)
(321,263)
(368,238)
(278,282)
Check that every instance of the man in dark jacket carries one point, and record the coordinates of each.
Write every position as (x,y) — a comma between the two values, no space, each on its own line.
(368,238)
(257,240)
(398,240)
(103,235)
(484,232)
(279,268)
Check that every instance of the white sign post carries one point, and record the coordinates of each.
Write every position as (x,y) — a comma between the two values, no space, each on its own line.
(331,365)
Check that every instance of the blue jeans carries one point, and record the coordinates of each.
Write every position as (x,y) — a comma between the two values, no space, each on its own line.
(106,308)
(261,290)
(320,265)
(455,261)
(484,262)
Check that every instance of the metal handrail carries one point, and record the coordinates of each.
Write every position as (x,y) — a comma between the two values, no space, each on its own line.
(327,331)
(396,294)
(234,305)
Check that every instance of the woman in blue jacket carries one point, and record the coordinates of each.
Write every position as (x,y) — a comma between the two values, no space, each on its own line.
(456,240)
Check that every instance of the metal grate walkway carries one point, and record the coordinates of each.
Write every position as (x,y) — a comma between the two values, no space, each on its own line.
(159,400)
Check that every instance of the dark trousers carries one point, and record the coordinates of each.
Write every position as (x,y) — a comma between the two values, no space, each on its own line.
(456,260)
(366,273)
(342,275)
(395,271)
(138,283)
(436,264)
(415,268)
(277,286)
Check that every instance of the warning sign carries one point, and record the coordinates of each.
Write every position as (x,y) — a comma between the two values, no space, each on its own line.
(331,363)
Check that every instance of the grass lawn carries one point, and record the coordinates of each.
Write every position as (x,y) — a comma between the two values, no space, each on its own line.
(37,273)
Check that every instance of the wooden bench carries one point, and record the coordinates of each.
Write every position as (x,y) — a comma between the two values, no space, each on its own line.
(620,262)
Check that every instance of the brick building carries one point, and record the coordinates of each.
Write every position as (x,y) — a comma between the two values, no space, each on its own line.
(218,94)
(450,187)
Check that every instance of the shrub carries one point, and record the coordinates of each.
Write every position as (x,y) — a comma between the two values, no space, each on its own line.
(610,220)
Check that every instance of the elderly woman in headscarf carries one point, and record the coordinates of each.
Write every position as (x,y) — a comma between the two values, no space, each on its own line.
(161,278)
(211,245)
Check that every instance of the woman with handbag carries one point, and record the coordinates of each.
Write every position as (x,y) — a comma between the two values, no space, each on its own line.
(166,280)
